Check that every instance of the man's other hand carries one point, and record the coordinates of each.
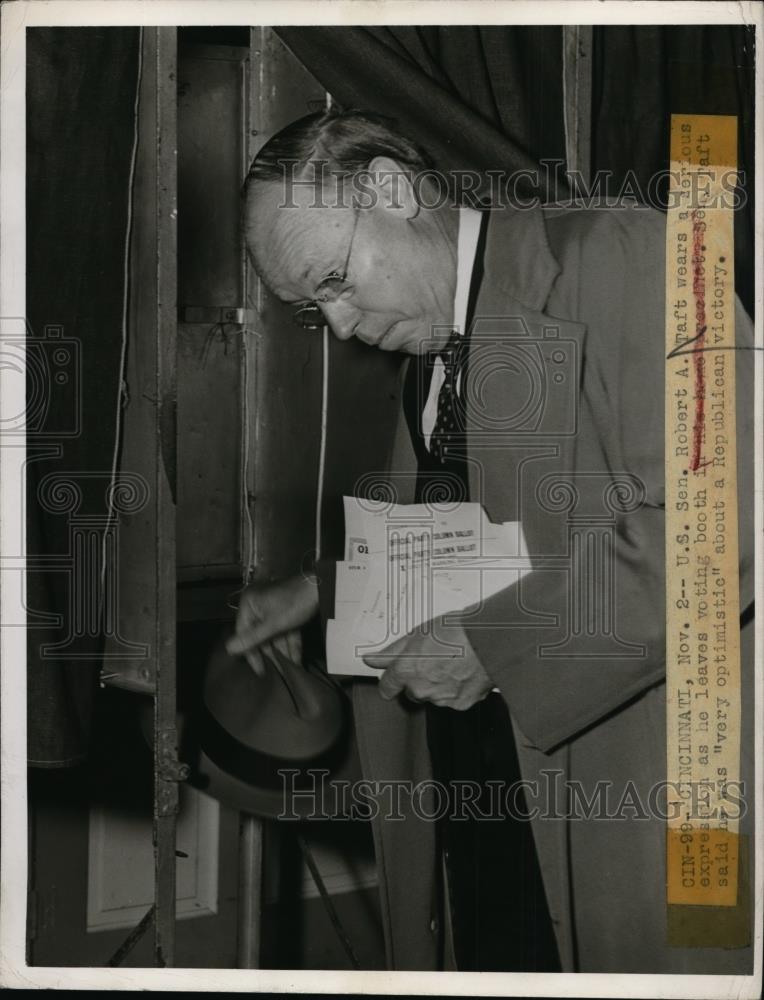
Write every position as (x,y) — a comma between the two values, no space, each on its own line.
(426,669)
(273,611)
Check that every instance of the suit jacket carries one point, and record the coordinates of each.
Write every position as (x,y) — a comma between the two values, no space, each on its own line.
(565,432)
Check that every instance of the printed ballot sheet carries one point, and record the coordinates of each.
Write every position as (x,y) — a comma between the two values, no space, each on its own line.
(406,564)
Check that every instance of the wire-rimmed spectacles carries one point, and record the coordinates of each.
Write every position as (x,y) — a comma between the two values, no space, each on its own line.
(309,315)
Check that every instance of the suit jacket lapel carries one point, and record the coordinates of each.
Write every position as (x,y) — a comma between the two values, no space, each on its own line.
(523,381)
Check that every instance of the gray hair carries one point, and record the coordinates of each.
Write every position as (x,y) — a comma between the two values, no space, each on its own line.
(342,142)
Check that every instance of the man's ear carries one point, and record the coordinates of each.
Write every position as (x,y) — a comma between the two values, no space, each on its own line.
(393,187)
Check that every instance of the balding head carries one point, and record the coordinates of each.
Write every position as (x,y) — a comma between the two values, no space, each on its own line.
(330,180)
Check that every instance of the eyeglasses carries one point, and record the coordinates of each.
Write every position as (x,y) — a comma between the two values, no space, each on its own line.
(310,316)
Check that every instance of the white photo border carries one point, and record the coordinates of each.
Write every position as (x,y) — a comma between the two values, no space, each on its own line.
(16,17)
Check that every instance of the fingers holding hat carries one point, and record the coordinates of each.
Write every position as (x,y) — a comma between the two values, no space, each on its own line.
(247,639)
(289,644)
(255,660)
(267,610)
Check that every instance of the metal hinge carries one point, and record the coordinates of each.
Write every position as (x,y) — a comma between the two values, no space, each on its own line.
(169,771)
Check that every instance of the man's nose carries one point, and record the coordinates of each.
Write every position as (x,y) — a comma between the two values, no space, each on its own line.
(342,317)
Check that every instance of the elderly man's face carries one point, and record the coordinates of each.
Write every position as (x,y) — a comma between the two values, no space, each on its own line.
(400,273)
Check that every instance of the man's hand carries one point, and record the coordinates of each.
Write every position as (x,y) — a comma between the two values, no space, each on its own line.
(427,670)
(274,611)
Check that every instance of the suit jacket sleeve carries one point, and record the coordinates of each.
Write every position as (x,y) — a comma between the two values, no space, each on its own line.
(553,698)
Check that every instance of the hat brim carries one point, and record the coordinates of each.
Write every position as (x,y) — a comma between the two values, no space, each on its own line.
(280,789)
(277,745)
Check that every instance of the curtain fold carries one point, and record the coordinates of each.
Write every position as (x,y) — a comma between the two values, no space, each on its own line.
(81,86)
(490,98)
(641,75)
(478,98)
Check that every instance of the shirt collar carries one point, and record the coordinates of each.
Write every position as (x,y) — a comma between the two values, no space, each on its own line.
(469,233)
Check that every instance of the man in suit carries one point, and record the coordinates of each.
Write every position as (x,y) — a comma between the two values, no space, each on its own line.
(534,387)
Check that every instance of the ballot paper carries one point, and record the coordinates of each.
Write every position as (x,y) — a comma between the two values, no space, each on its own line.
(406,564)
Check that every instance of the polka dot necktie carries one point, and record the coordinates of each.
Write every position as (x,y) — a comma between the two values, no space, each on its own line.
(449,420)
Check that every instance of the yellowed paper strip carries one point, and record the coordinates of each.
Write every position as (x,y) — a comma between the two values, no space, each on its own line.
(702,593)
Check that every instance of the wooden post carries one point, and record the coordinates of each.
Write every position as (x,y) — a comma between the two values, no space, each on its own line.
(250,891)
(577,89)
(160,55)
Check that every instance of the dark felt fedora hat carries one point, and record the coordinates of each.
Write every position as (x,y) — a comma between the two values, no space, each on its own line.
(266,742)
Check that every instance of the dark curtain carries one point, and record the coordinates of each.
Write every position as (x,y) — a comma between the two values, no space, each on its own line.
(485,98)
(478,98)
(644,74)
(81,86)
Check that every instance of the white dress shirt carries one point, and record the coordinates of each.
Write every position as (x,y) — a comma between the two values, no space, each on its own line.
(469,232)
